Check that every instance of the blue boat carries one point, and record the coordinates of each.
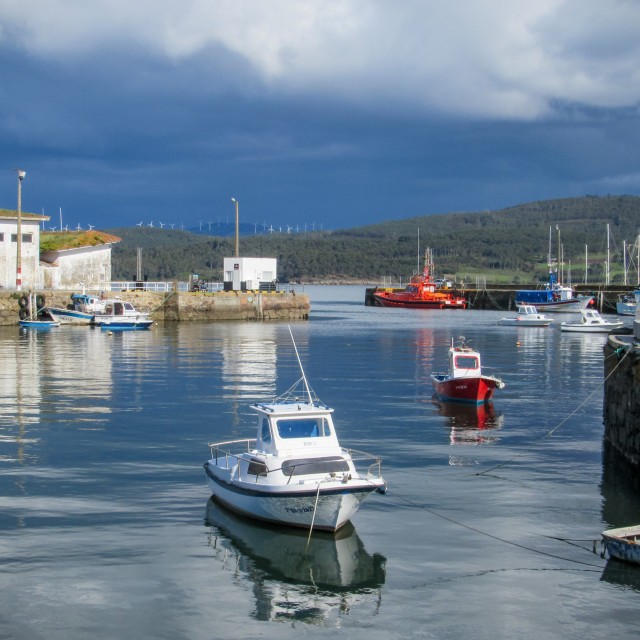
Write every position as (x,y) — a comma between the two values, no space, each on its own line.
(38,324)
(623,543)
(554,297)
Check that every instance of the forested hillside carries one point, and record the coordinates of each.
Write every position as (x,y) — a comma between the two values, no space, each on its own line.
(509,244)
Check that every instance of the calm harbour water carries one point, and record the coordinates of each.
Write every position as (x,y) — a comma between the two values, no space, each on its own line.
(107,530)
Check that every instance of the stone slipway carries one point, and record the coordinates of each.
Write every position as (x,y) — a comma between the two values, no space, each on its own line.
(182,307)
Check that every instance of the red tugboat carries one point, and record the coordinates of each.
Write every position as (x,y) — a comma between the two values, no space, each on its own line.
(464,382)
(420,293)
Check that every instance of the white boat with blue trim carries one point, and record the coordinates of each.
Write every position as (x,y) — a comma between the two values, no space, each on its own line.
(81,310)
(120,314)
(294,472)
(623,543)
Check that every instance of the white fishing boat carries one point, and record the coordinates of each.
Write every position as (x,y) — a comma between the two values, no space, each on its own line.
(294,472)
(623,543)
(528,316)
(119,314)
(591,322)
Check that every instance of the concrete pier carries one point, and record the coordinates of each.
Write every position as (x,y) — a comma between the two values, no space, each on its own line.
(180,307)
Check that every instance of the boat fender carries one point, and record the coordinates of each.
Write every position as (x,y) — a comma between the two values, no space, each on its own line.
(40,300)
(24,314)
(23,301)
(382,490)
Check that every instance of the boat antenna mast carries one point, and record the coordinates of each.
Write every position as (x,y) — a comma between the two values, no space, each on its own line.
(304,377)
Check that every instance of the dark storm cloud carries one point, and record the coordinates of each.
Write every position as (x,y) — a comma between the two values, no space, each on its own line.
(338,113)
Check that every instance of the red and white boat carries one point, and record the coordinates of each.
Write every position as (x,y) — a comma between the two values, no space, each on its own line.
(420,293)
(464,381)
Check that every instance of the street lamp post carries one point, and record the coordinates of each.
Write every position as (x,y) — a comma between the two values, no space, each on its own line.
(21,175)
(237,229)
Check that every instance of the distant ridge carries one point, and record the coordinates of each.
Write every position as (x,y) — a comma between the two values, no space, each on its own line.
(506,245)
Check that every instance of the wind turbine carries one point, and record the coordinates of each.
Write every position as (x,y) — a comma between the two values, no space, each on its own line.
(271,229)
(53,228)
(139,224)
(173,224)
(150,224)
(91,227)
(289,229)
(78,228)
(161,224)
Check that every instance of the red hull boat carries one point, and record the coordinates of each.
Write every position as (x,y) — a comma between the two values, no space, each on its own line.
(464,382)
(420,293)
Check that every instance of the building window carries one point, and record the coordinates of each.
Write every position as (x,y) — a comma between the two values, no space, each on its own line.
(27,238)
(1,237)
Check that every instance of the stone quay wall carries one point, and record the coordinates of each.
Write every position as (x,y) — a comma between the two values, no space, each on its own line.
(179,307)
(622,397)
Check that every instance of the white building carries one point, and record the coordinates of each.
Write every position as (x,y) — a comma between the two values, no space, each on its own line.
(77,259)
(30,249)
(250,274)
(67,259)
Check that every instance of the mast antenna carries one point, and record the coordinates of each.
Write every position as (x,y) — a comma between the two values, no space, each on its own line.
(304,378)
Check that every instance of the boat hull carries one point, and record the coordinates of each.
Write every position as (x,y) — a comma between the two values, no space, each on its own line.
(290,505)
(38,324)
(577,327)
(524,322)
(124,325)
(70,316)
(396,300)
(468,390)
(573,305)
(623,544)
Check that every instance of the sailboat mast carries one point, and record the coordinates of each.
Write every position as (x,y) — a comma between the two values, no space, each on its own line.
(608,257)
(624,260)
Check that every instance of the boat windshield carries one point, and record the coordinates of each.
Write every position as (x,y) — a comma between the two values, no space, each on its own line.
(466,362)
(303,428)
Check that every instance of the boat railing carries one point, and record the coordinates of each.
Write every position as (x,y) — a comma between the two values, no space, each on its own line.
(217,452)
(366,459)
(359,458)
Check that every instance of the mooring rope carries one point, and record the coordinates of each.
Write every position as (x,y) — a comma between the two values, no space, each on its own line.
(564,420)
(494,537)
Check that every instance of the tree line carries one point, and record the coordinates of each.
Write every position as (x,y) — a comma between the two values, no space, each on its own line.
(510,244)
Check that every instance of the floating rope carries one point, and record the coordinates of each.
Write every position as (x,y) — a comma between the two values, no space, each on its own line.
(550,433)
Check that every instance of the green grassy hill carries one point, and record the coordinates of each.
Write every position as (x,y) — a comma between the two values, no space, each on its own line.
(509,245)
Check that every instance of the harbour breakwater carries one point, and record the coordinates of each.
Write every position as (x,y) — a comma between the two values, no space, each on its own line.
(502,297)
(180,307)
(622,395)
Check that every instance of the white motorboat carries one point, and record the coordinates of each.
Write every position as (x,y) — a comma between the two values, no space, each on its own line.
(591,322)
(294,472)
(528,316)
(119,314)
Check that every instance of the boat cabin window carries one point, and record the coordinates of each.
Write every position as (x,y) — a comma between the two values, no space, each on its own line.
(305,466)
(265,432)
(303,428)
(466,362)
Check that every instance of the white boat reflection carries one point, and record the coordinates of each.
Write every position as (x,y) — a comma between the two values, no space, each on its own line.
(317,585)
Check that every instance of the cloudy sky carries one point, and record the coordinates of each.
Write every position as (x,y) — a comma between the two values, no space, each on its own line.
(333,113)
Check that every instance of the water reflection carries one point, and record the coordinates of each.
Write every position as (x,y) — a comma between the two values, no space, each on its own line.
(470,424)
(316,587)
(621,573)
(70,367)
